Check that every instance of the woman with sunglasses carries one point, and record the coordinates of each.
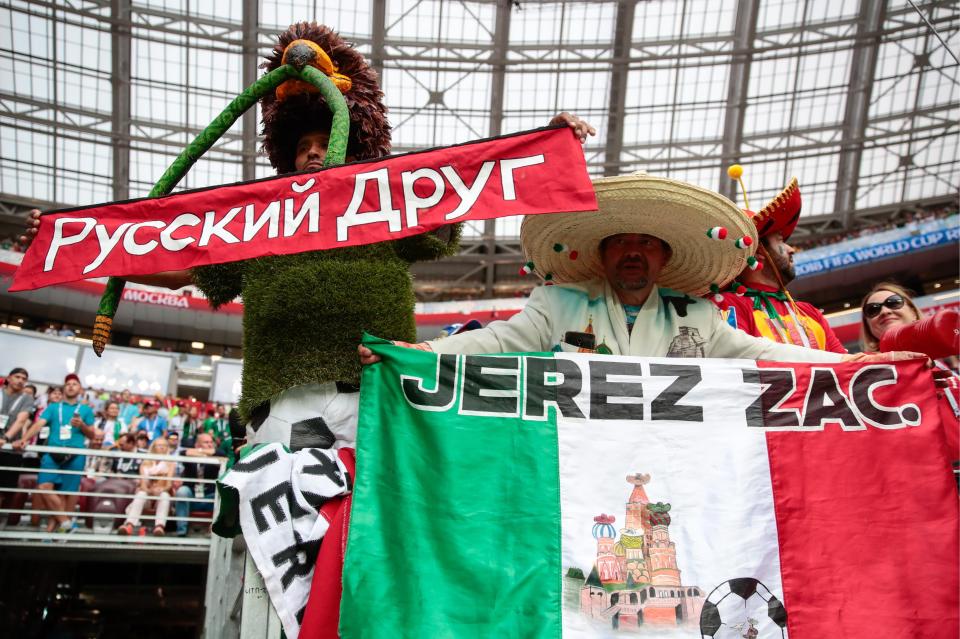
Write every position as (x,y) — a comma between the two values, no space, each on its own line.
(886,313)
(885,306)
(888,307)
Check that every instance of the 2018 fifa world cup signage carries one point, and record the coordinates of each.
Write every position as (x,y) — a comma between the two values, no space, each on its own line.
(540,171)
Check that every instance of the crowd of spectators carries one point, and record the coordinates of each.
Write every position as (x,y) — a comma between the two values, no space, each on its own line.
(905,218)
(125,487)
(11,243)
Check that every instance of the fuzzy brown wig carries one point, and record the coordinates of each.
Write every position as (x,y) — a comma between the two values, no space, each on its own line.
(284,122)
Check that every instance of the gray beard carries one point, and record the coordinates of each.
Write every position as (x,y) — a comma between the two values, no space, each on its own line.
(634,285)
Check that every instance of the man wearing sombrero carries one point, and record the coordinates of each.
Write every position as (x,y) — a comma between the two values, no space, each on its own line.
(632,273)
(758,302)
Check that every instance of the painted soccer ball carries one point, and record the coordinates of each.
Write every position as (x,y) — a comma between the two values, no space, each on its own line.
(743,608)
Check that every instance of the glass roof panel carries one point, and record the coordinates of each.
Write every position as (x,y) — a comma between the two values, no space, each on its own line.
(439,76)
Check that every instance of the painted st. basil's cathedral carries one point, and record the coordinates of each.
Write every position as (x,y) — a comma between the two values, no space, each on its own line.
(635,581)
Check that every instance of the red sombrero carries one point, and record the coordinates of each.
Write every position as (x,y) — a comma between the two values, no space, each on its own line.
(781,214)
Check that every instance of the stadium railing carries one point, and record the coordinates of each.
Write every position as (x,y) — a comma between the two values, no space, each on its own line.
(101,505)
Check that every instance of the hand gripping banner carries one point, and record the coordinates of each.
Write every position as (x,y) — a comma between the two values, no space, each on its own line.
(541,171)
(573,495)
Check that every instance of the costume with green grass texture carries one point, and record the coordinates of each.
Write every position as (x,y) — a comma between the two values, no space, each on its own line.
(304,314)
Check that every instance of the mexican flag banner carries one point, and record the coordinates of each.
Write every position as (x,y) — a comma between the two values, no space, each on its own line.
(576,495)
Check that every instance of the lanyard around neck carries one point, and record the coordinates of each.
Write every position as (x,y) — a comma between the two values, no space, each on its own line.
(16,404)
(60,411)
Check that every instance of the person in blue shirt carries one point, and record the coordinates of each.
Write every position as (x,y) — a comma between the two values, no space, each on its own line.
(70,423)
(203,446)
(153,423)
(129,410)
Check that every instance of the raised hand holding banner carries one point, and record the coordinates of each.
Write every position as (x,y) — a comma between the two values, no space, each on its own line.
(541,171)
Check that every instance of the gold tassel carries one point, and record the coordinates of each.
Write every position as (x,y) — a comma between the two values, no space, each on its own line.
(101,333)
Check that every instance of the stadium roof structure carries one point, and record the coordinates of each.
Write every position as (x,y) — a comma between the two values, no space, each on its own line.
(857,98)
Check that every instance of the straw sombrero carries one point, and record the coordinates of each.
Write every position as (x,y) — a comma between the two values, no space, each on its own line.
(711,239)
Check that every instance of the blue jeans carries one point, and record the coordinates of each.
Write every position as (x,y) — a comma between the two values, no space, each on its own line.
(183,508)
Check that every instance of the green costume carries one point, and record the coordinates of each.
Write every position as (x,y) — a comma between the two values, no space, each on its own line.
(304,314)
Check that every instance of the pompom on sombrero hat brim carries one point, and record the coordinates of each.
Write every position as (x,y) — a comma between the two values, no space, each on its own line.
(681,214)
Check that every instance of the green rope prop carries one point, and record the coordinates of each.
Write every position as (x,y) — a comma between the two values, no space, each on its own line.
(336,154)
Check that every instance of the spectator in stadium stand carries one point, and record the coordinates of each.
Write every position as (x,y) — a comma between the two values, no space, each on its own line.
(16,405)
(889,317)
(111,424)
(96,400)
(129,410)
(116,491)
(218,425)
(151,421)
(757,301)
(888,311)
(169,406)
(53,395)
(175,415)
(173,439)
(94,464)
(127,442)
(31,390)
(204,446)
(191,422)
(16,408)
(70,423)
(156,480)
(142,441)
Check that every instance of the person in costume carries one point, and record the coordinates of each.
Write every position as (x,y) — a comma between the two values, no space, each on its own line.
(643,260)
(757,301)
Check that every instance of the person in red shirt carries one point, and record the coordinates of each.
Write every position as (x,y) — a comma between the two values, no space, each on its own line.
(757,302)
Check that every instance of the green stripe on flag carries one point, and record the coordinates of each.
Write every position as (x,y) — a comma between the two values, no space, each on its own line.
(434,553)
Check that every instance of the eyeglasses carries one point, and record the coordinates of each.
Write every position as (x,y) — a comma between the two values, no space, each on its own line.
(872,309)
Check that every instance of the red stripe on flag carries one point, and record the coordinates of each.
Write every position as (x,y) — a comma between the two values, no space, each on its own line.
(867,519)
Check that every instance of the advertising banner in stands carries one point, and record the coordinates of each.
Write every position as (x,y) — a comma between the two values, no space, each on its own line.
(571,495)
(807,265)
(540,171)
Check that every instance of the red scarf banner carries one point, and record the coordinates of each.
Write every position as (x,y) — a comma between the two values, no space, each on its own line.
(529,173)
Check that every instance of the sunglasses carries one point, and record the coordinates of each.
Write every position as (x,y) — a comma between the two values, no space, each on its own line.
(872,309)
